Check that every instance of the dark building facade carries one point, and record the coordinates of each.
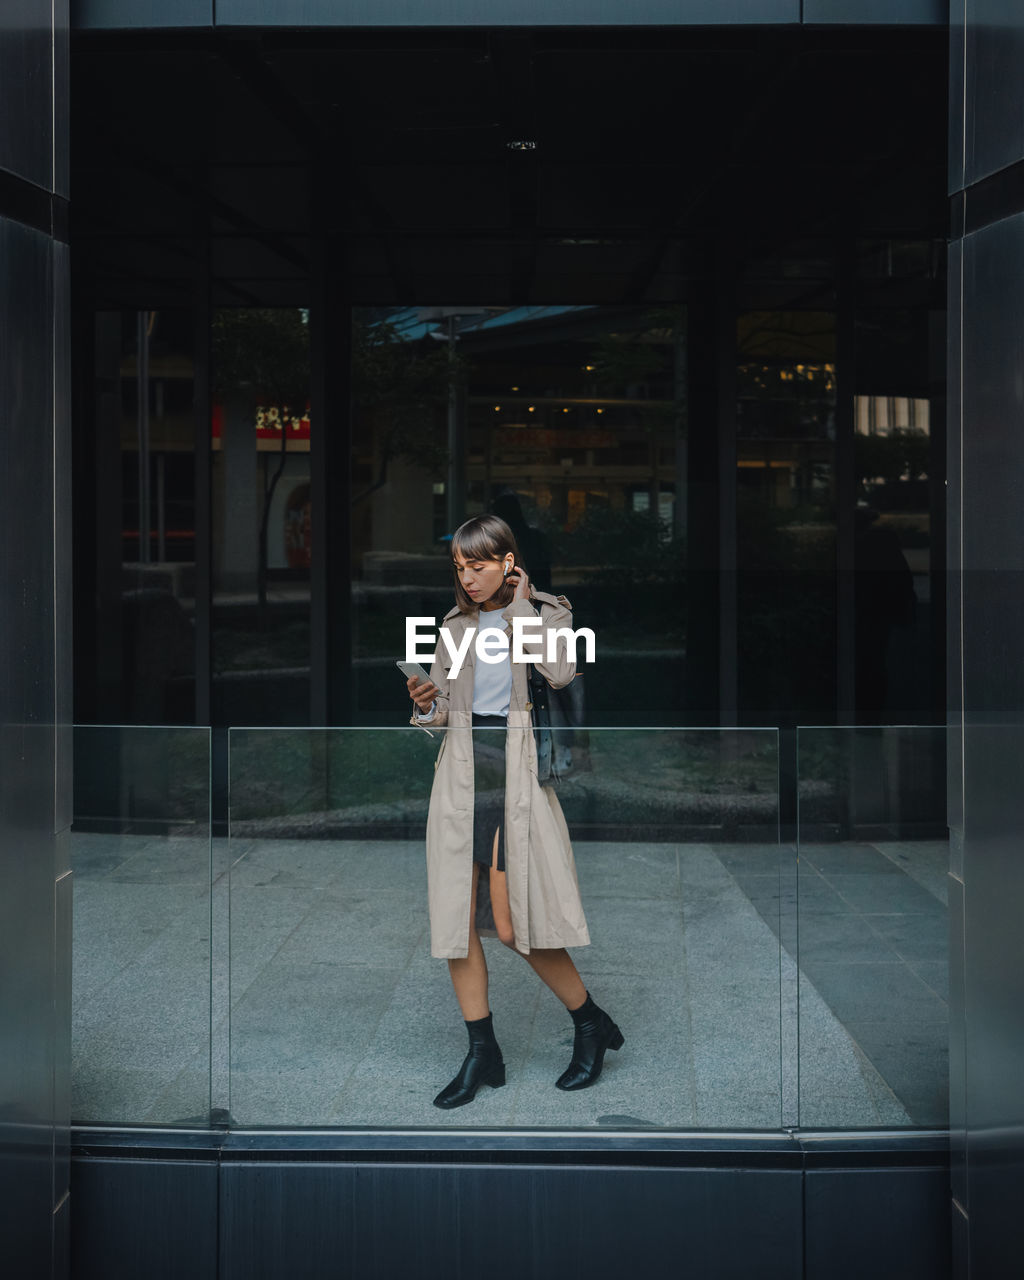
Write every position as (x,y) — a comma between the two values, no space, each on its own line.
(35,815)
(724,298)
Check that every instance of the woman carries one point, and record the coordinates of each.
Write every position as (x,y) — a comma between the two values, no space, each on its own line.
(501,863)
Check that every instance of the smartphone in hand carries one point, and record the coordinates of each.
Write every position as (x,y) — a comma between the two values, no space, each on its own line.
(411,669)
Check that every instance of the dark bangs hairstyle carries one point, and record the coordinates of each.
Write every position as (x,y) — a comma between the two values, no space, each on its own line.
(484,537)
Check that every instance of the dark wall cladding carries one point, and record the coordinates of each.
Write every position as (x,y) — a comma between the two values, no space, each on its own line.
(994,78)
(61,79)
(154,1218)
(877,12)
(138,15)
(26,485)
(993,462)
(29,904)
(488,13)
(633,1220)
(990,1054)
(26,91)
(321,1218)
(142,14)
(957,74)
(838,1205)
(63,702)
(35,901)
(986,479)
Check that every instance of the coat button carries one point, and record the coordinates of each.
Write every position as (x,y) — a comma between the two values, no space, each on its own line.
(529,706)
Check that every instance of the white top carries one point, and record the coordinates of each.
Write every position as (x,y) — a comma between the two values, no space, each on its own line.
(492,681)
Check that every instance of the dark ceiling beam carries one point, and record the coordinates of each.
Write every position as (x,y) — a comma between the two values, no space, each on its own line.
(749,126)
(329,157)
(199,201)
(126,288)
(514,106)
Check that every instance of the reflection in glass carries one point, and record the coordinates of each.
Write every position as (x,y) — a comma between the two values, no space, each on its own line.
(567,421)
(141,988)
(142,634)
(873,927)
(786,592)
(899,469)
(341,1017)
(261,516)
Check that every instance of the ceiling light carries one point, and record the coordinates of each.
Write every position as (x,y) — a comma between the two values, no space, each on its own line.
(521,144)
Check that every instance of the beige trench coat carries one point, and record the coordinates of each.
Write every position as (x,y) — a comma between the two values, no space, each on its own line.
(543,892)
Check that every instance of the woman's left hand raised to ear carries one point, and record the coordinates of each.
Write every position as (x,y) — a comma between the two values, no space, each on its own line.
(522,591)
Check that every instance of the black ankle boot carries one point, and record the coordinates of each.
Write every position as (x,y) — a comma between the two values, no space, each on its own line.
(483,1065)
(595,1033)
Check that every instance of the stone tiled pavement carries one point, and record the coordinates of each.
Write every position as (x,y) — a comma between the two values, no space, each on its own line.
(339,1015)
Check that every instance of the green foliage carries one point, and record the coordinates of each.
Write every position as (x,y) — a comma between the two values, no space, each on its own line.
(786,612)
(623,548)
(905,451)
(278,773)
(645,354)
(632,576)
(402,385)
(261,353)
(619,360)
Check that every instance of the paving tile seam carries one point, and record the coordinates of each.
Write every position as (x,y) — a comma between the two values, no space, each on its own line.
(910,872)
(838,1026)
(135,962)
(691,1072)
(897,963)
(371,1040)
(855,879)
(258,973)
(531,1036)
(874,1081)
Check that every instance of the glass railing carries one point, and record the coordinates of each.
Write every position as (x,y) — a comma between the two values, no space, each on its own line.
(283,975)
(872,927)
(340,1015)
(141,949)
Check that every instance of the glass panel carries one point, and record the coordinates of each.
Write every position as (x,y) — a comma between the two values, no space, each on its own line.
(873,928)
(140,852)
(785,528)
(339,1015)
(137,658)
(567,421)
(261,515)
(899,459)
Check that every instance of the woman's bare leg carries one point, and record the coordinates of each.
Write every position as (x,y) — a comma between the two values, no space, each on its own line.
(554,967)
(469,973)
(499,899)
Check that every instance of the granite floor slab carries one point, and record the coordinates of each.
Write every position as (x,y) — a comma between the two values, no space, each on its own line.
(337,1014)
